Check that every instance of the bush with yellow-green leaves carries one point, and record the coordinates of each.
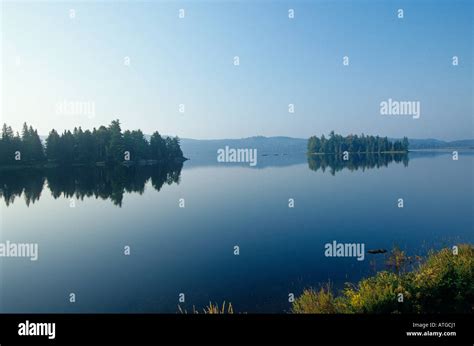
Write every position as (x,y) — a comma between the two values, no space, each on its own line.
(442,282)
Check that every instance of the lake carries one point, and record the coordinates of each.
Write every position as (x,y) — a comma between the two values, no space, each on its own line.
(190,250)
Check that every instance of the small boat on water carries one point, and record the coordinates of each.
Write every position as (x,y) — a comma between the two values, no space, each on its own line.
(377,251)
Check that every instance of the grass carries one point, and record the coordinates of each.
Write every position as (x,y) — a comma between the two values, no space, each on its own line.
(212,309)
(443,282)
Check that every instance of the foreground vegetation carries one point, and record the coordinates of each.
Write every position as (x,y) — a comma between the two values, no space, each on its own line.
(105,145)
(211,309)
(337,144)
(442,283)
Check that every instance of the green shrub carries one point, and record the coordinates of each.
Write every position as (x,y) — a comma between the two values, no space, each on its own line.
(443,283)
(319,302)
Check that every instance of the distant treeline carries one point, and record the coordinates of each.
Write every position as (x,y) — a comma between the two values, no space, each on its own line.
(337,144)
(105,144)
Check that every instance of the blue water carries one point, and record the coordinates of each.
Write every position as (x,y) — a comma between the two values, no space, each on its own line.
(191,250)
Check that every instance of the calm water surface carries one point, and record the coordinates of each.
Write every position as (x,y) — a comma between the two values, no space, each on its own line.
(191,249)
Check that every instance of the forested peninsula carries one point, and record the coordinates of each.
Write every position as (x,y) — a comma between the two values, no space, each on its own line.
(106,145)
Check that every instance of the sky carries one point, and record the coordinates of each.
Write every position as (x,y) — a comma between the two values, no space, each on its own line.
(50,58)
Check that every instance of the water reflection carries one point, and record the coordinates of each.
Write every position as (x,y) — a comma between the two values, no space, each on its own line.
(336,163)
(108,183)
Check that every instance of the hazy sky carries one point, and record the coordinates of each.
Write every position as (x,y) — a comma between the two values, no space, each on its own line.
(49,57)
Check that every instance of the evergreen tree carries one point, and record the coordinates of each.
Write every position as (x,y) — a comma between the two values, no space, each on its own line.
(157,147)
(405,144)
(53,146)
(66,154)
(115,150)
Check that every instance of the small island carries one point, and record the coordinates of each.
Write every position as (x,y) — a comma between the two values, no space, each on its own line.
(337,144)
(100,147)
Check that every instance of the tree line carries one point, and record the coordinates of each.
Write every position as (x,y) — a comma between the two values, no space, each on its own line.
(337,144)
(105,144)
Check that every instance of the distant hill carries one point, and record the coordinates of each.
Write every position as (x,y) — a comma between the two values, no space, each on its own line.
(264,145)
(431,143)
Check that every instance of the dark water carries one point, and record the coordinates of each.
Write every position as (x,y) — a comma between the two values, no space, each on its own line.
(191,250)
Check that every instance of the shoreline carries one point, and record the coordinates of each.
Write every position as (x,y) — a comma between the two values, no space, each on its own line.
(51,165)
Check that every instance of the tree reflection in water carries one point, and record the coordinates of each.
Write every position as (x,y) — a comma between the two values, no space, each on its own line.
(80,182)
